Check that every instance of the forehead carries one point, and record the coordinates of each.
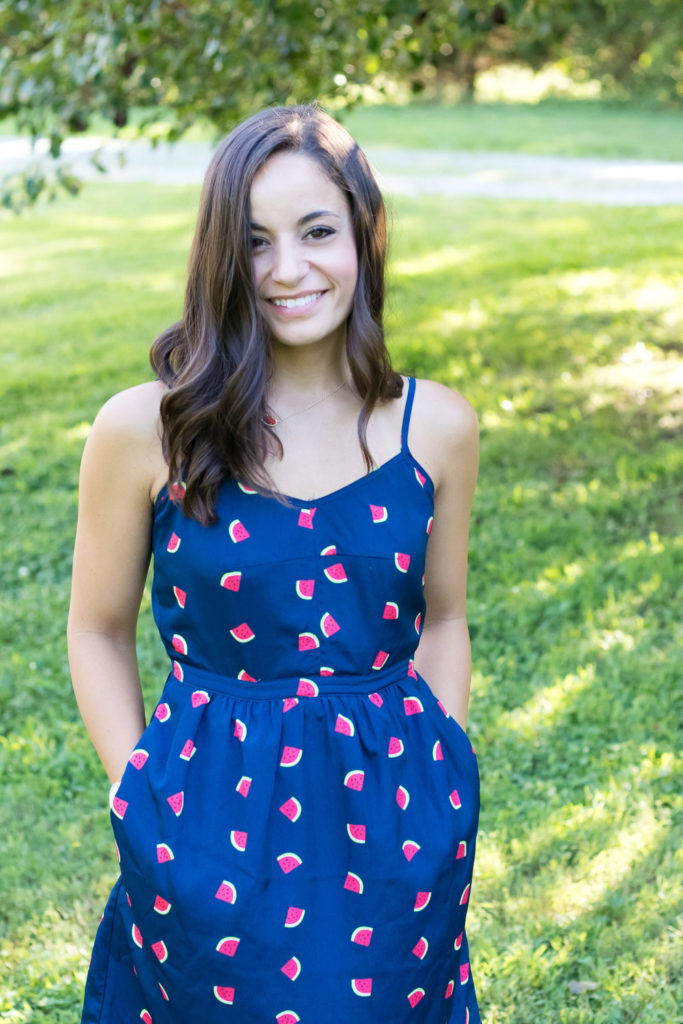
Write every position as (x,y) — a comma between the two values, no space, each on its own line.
(289,185)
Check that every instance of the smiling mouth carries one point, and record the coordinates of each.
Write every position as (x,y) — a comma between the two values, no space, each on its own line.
(305,300)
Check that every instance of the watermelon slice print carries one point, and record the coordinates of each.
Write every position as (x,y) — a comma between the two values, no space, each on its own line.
(179,643)
(287,1017)
(291,809)
(161,905)
(401,561)
(304,589)
(415,996)
(421,900)
(224,995)
(380,659)
(289,861)
(295,916)
(238,840)
(335,573)
(180,596)
(354,883)
(226,892)
(292,968)
(328,625)
(146,1016)
(242,633)
(410,848)
(237,531)
(362,986)
(420,949)
(412,705)
(362,935)
(231,580)
(379,513)
(402,797)
(160,951)
(228,946)
(138,758)
(176,802)
(173,544)
(354,779)
(356,832)
(306,518)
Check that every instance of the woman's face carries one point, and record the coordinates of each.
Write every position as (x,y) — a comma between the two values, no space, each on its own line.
(302,249)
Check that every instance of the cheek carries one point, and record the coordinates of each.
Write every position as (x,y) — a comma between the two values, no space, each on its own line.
(347,267)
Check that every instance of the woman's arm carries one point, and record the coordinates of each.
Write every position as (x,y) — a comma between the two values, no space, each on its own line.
(111,558)
(443,655)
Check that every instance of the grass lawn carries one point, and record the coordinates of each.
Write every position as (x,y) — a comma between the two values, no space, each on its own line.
(561,324)
(562,127)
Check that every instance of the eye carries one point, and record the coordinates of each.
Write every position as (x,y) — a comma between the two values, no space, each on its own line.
(255,242)
(327,231)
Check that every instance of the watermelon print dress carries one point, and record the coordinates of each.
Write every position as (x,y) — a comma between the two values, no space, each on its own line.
(296,827)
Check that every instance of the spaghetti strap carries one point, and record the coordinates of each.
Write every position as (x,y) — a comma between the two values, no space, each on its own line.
(406,414)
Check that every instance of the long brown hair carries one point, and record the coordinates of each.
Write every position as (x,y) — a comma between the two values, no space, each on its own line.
(217,360)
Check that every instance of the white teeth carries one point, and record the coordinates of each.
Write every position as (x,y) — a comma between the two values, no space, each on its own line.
(291,303)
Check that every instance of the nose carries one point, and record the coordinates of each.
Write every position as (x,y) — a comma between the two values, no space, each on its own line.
(288,263)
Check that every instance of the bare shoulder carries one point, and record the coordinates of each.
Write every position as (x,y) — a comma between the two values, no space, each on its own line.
(126,432)
(134,410)
(444,431)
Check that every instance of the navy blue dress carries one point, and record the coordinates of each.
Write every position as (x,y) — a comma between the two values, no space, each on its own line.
(296,826)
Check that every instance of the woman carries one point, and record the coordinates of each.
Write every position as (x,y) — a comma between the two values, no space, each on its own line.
(296,824)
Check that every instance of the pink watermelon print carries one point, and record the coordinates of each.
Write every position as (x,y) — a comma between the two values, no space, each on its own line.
(161,905)
(300,795)
(237,531)
(362,986)
(306,517)
(228,946)
(336,573)
(295,916)
(292,968)
(176,802)
(138,758)
(305,588)
(226,892)
(224,994)
(328,625)
(231,580)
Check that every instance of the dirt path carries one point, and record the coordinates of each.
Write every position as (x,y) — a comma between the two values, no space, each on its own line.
(615,182)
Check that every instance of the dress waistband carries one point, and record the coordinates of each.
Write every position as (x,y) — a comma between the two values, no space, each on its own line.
(291,686)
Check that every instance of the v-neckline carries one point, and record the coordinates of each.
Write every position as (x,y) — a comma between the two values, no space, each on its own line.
(311,502)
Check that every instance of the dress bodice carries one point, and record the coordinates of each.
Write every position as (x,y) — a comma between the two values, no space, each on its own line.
(333,585)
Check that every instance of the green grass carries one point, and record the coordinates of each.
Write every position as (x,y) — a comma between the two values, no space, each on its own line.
(562,325)
(562,127)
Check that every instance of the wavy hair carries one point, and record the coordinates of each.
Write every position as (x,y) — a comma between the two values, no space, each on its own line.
(216,361)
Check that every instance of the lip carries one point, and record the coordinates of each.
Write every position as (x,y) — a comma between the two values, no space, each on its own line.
(297,311)
(299,295)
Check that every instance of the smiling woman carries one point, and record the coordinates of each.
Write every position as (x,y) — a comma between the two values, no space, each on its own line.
(305,267)
(296,824)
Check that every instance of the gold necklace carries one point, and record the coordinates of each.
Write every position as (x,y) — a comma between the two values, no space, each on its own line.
(273,420)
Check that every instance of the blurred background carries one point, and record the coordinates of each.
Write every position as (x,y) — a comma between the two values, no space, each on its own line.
(531,155)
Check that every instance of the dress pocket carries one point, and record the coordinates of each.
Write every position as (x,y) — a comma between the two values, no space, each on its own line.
(445,720)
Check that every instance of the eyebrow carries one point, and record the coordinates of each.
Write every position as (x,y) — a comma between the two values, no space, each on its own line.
(302,220)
